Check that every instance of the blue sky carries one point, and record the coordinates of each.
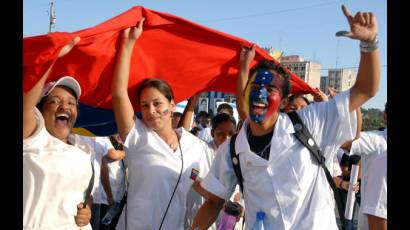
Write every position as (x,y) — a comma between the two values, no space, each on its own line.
(297,27)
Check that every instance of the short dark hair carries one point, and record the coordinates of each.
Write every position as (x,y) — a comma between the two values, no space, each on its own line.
(295,96)
(220,118)
(279,69)
(203,114)
(158,84)
(225,106)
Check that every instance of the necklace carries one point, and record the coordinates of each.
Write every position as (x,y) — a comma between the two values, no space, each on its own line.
(261,153)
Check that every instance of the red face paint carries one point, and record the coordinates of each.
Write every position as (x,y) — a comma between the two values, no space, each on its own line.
(274,100)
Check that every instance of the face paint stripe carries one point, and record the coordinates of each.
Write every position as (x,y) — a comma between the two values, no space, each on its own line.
(247,92)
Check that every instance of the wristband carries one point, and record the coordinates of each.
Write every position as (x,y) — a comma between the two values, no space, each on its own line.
(367,47)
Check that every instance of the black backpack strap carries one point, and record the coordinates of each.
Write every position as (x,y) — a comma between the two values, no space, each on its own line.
(304,136)
(90,187)
(235,162)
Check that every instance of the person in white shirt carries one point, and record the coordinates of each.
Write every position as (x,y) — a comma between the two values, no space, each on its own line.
(281,178)
(113,174)
(203,120)
(223,127)
(101,146)
(57,165)
(372,147)
(162,163)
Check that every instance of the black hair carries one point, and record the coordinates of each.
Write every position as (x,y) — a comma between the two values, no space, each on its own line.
(279,69)
(225,106)
(203,114)
(295,96)
(195,131)
(158,84)
(220,118)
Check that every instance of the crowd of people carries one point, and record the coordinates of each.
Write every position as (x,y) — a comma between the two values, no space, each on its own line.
(167,170)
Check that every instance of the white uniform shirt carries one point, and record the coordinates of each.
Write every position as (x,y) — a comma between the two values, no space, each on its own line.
(194,200)
(153,171)
(372,147)
(205,134)
(55,178)
(290,188)
(100,145)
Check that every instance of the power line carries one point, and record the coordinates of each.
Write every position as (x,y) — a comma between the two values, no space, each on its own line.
(272,12)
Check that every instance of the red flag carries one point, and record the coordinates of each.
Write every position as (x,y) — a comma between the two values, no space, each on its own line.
(190,57)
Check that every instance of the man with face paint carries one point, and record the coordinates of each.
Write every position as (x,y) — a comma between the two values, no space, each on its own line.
(280,176)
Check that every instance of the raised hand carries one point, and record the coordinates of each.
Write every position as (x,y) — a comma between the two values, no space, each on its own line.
(363,26)
(246,56)
(130,35)
(67,48)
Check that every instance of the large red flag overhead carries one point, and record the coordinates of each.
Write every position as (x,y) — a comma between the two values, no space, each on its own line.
(190,57)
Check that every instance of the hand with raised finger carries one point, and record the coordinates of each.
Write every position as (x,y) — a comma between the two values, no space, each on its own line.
(363,26)
(67,48)
(83,216)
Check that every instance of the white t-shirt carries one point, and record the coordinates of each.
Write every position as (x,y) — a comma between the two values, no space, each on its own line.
(55,178)
(372,147)
(290,187)
(153,172)
(100,145)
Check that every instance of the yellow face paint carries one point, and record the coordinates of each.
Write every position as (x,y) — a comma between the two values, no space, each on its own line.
(247,92)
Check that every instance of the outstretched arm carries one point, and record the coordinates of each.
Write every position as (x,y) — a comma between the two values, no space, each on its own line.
(123,110)
(31,97)
(245,58)
(208,212)
(363,27)
(188,113)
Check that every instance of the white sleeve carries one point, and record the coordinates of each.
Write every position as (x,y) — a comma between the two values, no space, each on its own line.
(40,136)
(368,143)
(330,123)
(221,179)
(134,135)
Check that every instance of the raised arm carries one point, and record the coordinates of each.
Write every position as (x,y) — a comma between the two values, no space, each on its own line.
(123,110)
(33,95)
(186,118)
(245,58)
(363,27)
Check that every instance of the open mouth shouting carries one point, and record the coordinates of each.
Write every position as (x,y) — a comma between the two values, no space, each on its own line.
(259,108)
(63,120)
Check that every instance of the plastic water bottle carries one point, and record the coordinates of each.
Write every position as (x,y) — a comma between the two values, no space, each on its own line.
(228,220)
(259,224)
(112,212)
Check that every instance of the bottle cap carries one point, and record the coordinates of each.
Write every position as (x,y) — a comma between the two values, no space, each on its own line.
(232,208)
(260,215)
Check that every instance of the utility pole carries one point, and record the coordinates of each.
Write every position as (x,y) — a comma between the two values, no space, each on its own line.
(52,14)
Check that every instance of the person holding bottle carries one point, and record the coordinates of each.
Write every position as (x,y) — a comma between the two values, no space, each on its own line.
(281,178)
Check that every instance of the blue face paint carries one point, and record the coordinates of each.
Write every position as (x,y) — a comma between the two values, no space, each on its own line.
(259,95)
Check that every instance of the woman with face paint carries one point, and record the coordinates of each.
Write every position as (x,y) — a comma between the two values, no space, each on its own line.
(280,176)
(163,163)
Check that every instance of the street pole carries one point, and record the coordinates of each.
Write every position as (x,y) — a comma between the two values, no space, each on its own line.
(52,16)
